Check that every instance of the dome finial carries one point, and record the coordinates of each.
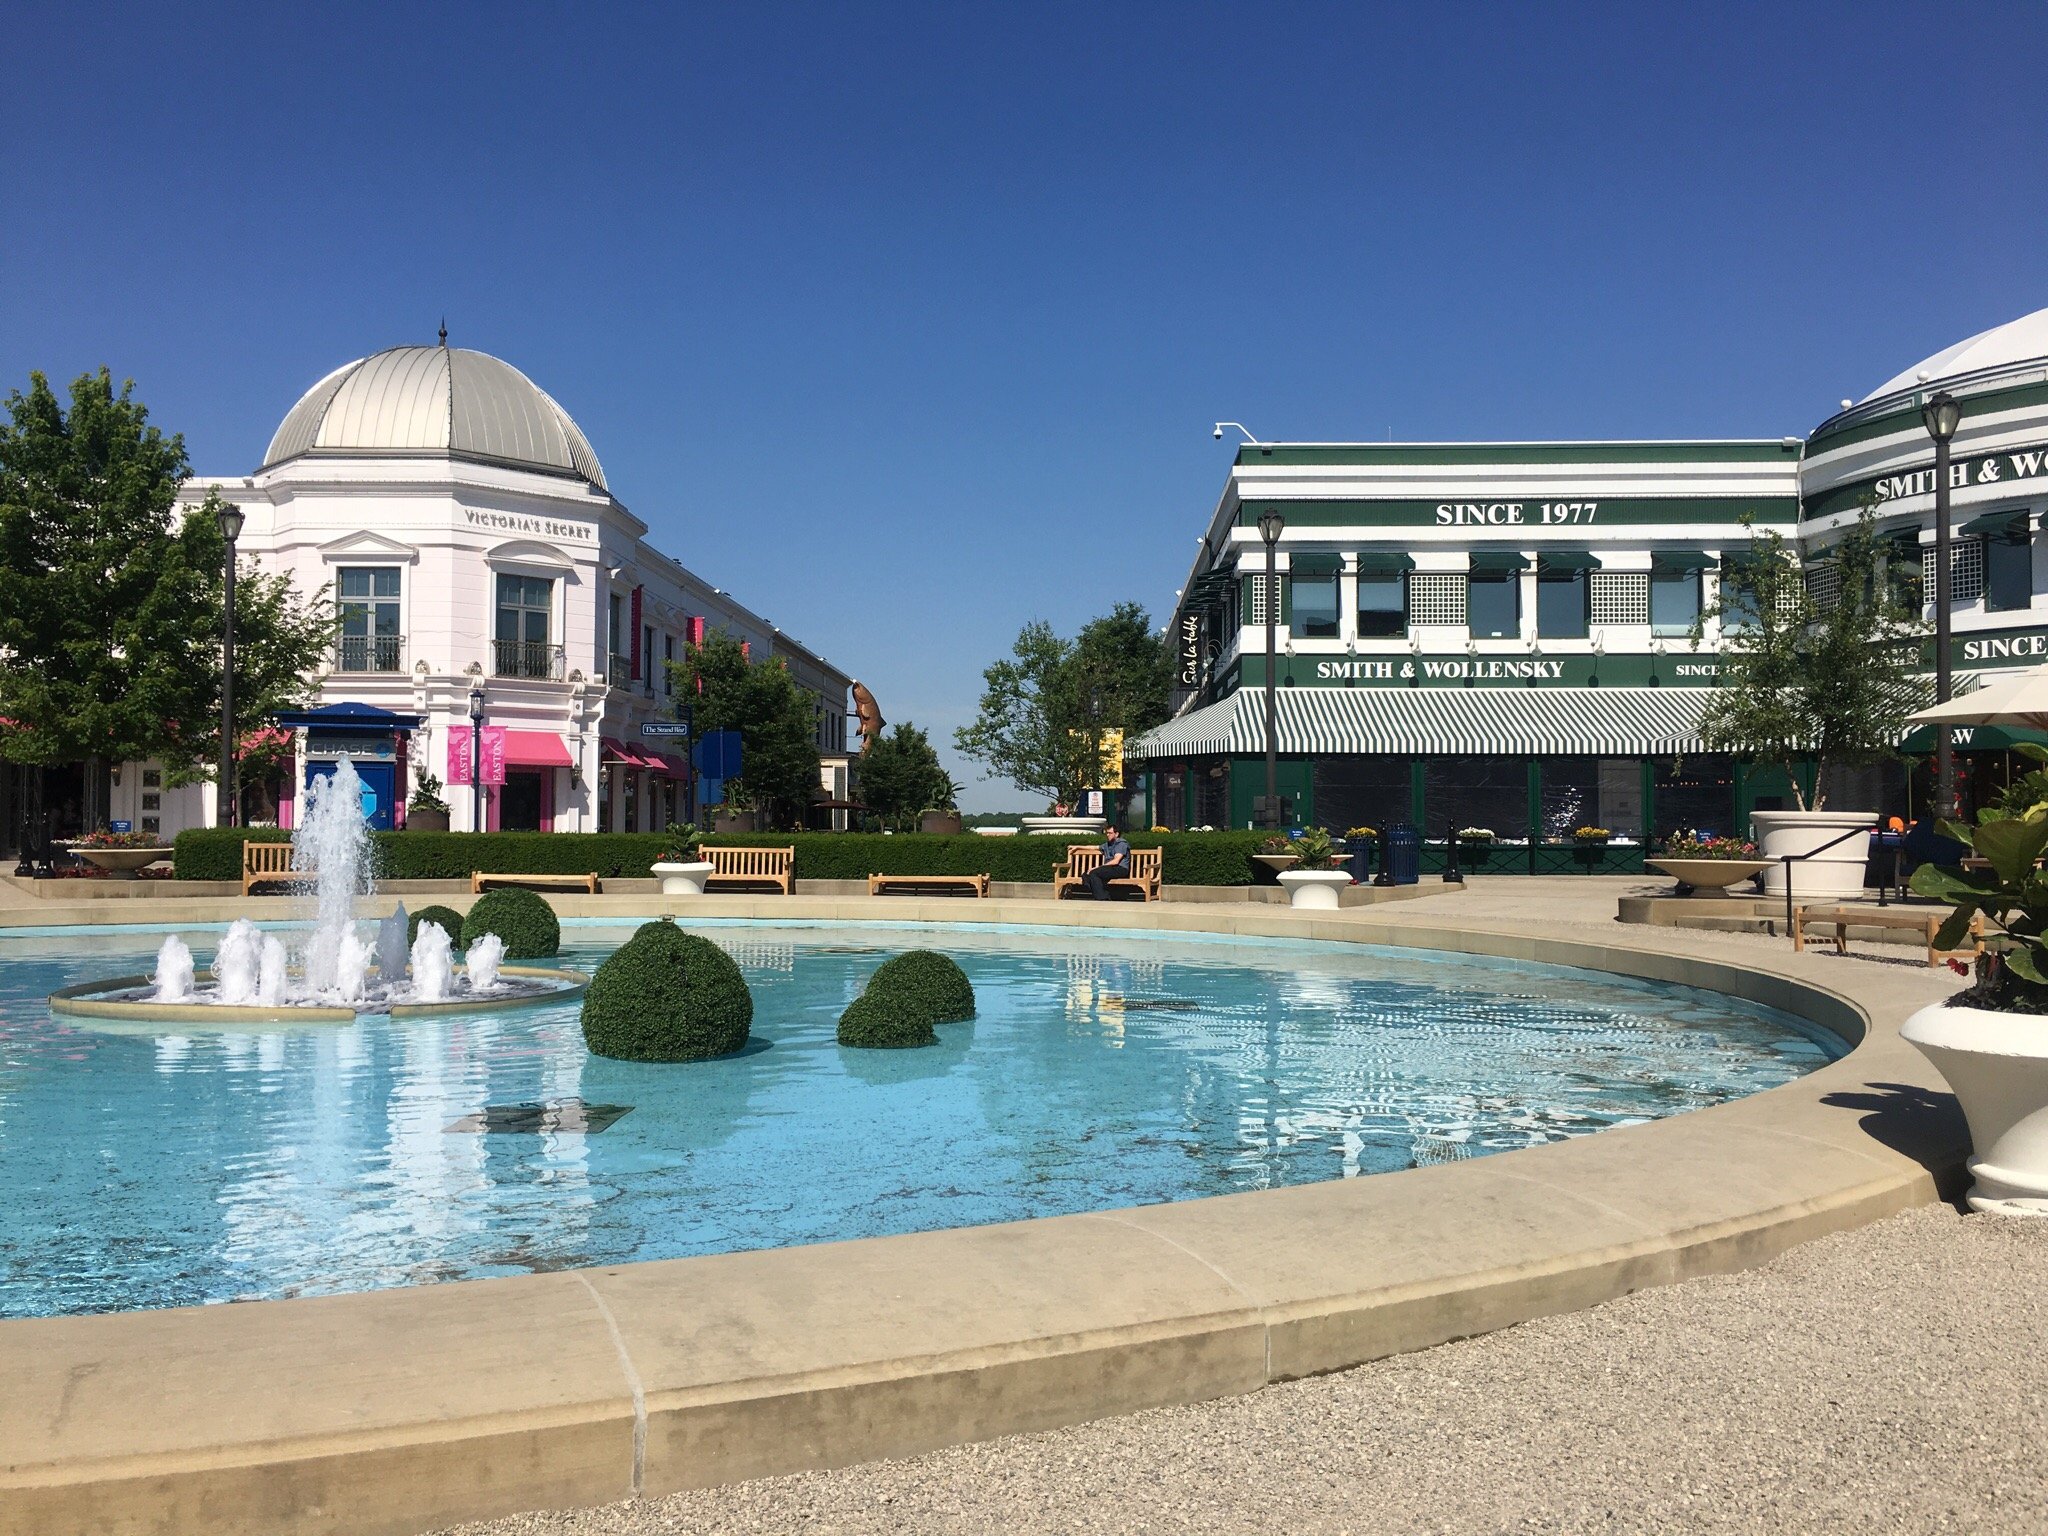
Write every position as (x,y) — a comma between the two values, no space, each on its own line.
(444,330)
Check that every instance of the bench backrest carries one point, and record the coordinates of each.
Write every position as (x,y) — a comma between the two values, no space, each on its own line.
(749,861)
(1145,863)
(261,858)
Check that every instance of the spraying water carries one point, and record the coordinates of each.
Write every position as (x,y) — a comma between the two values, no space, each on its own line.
(271,972)
(391,948)
(173,972)
(236,964)
(483,960)
(433,964)
(334,845)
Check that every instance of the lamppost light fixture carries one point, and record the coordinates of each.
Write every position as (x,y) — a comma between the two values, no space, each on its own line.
(1942,413)
(1272,522)
(1218,433)
(231,518)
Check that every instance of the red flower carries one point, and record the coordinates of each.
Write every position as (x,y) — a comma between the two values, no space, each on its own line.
(1961,968)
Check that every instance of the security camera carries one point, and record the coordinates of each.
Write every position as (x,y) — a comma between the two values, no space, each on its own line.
(1217,433)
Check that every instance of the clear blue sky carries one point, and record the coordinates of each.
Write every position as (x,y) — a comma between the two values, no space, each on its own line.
(907,324)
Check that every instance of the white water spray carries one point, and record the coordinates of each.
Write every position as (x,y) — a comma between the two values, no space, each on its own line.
(332,843)
(433,964)
(483,960)
(173,972)
(391,948)
(271,972)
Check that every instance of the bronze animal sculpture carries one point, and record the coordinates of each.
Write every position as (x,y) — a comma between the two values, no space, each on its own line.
(870,715)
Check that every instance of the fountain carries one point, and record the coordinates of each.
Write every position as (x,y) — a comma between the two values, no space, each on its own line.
(339,974)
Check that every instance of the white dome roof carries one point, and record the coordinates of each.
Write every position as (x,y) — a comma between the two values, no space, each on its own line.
(413,401)
(2017,341)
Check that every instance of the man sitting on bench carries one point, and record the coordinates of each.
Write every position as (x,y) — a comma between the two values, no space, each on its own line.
(1115,865)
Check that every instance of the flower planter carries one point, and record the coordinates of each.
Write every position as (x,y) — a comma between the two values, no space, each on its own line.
(1080,828)
(940,823)
(1997,1063)
(426,821)
(1314,887)
(732,821)
(122,863)
(1277,861)
(1837,872)
(681,879)
(1710,875)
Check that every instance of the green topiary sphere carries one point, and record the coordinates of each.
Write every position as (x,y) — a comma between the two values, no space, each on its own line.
(525,922)
(666,995)
(449,919)
(934,982)
(881,1023)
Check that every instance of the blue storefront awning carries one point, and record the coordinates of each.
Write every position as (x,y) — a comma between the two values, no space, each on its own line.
(346,716)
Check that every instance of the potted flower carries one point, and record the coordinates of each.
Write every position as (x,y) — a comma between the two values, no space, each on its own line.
(1276,853)
(1703,862)
(736,812)
(1990,1041)
(681,869)
(1362,843)
(1592,837)
(1314,881)
(120,854)
(1475,834)
(426,811)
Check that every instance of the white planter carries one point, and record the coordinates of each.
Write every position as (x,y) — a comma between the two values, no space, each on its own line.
(1836,873)
(682,879)
(1314,887)
(1714,875)
(1997,1063)
(1080,828)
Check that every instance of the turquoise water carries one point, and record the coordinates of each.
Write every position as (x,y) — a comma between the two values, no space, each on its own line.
(1103,1070)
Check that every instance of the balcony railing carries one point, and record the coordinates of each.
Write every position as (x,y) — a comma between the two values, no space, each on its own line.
(369,653)
(534,659)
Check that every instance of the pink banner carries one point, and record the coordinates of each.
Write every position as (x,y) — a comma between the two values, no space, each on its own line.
(492,753)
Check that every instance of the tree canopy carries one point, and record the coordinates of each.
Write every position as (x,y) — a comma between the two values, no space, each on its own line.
(110,601)
(1044,707)
(901,775)
(776,719)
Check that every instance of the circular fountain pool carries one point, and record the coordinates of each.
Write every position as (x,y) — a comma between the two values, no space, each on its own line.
(190,1165)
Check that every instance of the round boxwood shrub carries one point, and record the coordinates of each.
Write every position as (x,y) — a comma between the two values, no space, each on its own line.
(904,998)
(666,995)
(449,919)
(525,922)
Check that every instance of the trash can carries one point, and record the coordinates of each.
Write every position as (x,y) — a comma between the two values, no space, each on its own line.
(1404,855)
(1358,858)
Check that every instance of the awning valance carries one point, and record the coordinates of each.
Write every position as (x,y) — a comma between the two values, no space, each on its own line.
(1995,524)
(1680,562)
(1494,562)
(1562,560)
(535,749)
(1536,722)
(1315,564)
(1385,564)
(618,752)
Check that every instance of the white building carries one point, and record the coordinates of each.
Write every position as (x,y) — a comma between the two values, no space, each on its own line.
(463,524)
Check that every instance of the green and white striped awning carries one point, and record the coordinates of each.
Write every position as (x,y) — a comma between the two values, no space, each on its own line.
(1538,722)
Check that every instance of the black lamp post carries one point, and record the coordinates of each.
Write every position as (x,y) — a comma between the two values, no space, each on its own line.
(1271,525)
(1942,413)
(476,755)
(230,519)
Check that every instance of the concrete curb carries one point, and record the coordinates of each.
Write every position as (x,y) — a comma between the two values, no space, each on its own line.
(400,1411)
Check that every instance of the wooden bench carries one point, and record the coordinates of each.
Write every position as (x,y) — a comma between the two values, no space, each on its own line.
(266,861)
(751,866)
(1145,867)
(480,881)
(973,885)
(1921,920)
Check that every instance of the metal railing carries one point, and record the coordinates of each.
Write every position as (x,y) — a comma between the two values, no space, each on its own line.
(1789,859)
(369,653)
(534,659)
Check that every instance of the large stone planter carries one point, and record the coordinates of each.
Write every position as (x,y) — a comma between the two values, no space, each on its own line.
(122,862)
(1997,1063)
(939,823)
(426,821)
(732,821)
(681,879)
(1835,873)
(1712,876)
(1314,887)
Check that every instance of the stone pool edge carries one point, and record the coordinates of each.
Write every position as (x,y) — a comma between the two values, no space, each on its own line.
(400,1411)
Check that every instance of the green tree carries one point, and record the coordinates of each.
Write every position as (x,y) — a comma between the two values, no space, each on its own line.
(1828,677)
(901,775)
(1045,706)
(110,601)
(776,719)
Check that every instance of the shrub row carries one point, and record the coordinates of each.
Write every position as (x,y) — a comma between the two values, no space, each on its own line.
(1192,858)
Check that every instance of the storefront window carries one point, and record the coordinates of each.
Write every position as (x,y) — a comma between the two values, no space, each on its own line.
(525,604)
(1674,602)
(368,596)
(1382,606)
(1362,792)
(1212,795)
(1694,793)
(1173,798)
(1493,605)
(2009,570)
(1561,609)
(1489,792)
(1591,792)
(1315,608)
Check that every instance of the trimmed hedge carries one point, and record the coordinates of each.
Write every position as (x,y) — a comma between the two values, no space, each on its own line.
(666,995)
(448,918)
(904,998)
(1192,858)
(523,919)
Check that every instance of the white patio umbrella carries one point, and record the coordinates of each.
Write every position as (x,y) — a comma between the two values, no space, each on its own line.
(2021,700)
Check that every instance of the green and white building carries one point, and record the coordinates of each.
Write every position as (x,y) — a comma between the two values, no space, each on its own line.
(1499,635)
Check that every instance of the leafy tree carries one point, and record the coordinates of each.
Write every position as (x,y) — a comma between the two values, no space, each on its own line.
(776,719)
(1044,707)
(901,775)
(1833,679)
(110,602)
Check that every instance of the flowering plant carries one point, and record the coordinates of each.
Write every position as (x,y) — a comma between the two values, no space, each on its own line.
(1475,834)
(105,839)
(1592,834)
(1358,834)
(1313,849)
(1698,845)
(1275,844)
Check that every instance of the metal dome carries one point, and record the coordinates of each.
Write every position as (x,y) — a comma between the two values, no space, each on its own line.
(410,401)
(2017,341)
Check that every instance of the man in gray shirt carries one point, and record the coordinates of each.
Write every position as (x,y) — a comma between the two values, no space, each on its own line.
(1115,865)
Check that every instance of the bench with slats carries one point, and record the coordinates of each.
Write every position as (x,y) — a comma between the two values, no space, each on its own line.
(1918,919)
(1145,866)
(269,863)
(751,866)
(973,885)
(480,880)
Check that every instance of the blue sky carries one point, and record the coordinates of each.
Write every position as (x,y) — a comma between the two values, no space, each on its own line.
(907,324)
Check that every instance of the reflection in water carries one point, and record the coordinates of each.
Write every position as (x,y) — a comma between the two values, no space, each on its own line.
(159,1170)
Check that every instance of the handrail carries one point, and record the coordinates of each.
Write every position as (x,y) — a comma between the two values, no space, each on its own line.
(1789,859)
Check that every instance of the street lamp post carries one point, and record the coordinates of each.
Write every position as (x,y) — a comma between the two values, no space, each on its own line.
(1271,524)
(1942,413)
(230,519)
(476,743)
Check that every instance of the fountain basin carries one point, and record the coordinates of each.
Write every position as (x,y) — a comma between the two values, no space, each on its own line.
(104,1000)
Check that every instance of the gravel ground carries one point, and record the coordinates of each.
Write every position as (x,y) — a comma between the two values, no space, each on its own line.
(1843,1387)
